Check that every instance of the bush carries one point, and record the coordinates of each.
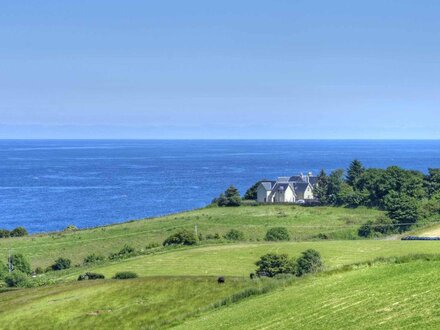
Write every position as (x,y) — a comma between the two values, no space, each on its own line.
(125,275)
(17,279)
(126,252)
(39,270)
(71,228)
(92,258)
(20,263)
(61,263)
(309,262)
(90,276)
(382,226)
(273,264)
(277,234)
(152,246)
(4,233)
(183,237)
(231,197)
(19,232)
(3,270)
(211,236)
(234,235)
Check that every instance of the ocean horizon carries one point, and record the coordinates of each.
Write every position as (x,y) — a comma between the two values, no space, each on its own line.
(46,185)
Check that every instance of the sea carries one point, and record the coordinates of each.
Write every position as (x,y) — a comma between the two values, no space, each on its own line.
(46,185)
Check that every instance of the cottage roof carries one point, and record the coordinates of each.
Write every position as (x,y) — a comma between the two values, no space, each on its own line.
(268,185)
(300,187)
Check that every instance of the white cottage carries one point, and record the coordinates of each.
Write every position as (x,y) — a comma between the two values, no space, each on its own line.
(292,189)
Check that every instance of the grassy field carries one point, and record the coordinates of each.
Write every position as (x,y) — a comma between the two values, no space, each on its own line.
(239,259)
(177,286)
(303,224)
(103,304)
(380,297)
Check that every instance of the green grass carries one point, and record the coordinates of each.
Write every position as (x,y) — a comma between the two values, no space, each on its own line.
(239,259)
(303,224)
(387,296)
(103,304)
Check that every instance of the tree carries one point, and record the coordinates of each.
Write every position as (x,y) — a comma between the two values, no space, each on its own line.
(4,233)
(183,237)
(61,263)
(309,262)
(402,210)
(19,232)
(273,264)
(251,193)
(231,197)
(335,182)
(277,234)
(16,279)
(20,263)
(433,181)
(234,235)
(321,187)
(354,172)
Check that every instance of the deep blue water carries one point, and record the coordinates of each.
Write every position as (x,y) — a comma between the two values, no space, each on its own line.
(47,185)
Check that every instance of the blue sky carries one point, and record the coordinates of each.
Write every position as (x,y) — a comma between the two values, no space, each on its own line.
(223,69)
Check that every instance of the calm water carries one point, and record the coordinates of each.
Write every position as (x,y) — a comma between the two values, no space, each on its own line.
(47,185)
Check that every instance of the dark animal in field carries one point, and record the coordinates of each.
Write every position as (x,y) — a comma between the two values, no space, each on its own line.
(252,276)
(221,280)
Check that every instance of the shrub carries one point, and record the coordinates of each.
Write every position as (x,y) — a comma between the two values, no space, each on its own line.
(277,234)
(61,263)
(382,226)
(90,276)
(3,270)
(4,233)
(152,246)
(19,232)
(20,263)
(309,262)
(71,228)
(126,252)
(211,236)
(273,264)
(92,258)
(183,237)
(231,197)
(125,275)
(17,279)
(39,270)
(234,235)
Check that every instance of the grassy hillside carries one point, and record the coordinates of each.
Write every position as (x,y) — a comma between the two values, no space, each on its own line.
(383,296)
(102,304)
(303,224)
(239,259)
(179,284)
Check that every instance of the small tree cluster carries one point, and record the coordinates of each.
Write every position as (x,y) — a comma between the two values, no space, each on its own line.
(60,264)
(273,264)
(231,197)
(183,237)
(17,232)
(90,276)
(125,275)
(234,235)
(93,258)
(277,234)
(126,252)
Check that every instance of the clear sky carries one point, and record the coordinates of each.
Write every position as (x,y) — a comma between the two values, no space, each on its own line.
(220,69)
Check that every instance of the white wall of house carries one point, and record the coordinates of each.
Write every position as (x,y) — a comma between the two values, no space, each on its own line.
(286,196)
(308,194)
(262,194)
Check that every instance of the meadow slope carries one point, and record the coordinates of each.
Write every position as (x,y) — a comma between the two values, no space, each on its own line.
(382,296)
(303,224)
